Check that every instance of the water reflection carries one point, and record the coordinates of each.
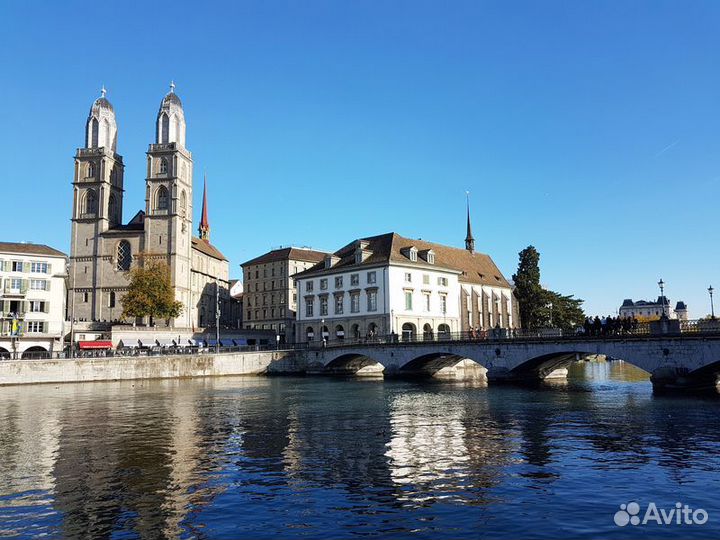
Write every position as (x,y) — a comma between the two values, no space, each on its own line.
(254,457)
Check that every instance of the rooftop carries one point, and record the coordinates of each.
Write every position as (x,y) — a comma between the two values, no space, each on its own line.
(203,246)
(474,267)
(25,248)
(288,253)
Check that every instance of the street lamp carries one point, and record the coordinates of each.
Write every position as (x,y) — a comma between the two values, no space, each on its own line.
(550,306)
(712,307)
(661,284)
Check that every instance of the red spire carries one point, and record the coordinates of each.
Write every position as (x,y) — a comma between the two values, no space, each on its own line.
(204,228)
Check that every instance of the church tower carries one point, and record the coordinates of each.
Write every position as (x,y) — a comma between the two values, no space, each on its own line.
(168,200)
(469,240)
(97,204)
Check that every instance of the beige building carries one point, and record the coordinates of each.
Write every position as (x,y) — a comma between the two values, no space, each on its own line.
(269,298)
(104,249)
(32,299)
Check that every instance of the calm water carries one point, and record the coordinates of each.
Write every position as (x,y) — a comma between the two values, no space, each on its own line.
(315,457)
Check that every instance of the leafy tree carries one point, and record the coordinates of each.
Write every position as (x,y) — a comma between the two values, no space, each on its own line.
(539,307)
(150,293)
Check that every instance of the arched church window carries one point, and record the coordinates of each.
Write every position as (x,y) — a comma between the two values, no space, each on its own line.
(94,128)
(184,171)
(183,203)
(164,129)
(163,166)
(90,202)
(124,256)
(91,170)
(112,208)
(162,198)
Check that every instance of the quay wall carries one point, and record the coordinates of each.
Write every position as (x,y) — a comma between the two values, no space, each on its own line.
(149,367)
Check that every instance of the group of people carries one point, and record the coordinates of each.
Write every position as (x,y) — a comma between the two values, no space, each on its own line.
(609,326)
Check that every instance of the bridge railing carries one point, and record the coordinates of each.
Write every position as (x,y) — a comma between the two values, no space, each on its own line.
(671,328)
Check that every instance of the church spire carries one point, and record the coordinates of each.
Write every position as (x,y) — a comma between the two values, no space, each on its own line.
(204,228)
(469,240)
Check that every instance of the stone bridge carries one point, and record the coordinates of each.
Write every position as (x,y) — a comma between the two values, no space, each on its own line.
(672,362)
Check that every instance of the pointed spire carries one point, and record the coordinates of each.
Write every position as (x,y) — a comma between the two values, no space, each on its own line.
(204,228)
(469,240)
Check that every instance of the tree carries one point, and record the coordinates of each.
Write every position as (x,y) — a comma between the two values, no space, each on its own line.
(528,290)
(540,307)
(150,293)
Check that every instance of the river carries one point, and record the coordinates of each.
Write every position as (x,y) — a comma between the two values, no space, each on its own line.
(292,457)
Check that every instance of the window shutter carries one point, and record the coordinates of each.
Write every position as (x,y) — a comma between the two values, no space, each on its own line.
(46,307)
(23,286)
(7,284)
(47,285)
(6,306)
(26,266)
(49,268)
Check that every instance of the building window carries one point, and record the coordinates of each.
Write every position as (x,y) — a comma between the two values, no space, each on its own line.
(323,305)
(408,277)
(90,202)
(309,307)
(39,284)
(426,299)
(39,267)
(34,327)
(163,166)
(443,303)
(111,300)
(442,281)
(431,257)
(161,202)
(413,255)
(408,300)
(323,284)
(309,286)
(338,305)
(86,297)
(37,306)
(372,301)
(354,279)
(249,315)
(355,303)
(124,256)
(371,277)
(91,170)
(426,279)
(338,282)
(183,203)
(16,266)
(16,284)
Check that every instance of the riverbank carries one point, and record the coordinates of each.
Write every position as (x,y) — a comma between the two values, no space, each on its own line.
(121,368)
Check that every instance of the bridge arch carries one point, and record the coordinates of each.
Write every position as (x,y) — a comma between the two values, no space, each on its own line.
(356,364)
(444,364)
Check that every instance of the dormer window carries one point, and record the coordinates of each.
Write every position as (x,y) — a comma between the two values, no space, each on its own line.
(428,255)
(411,253)
(328,262)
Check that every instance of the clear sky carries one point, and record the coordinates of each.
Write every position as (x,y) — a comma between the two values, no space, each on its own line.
(588,129)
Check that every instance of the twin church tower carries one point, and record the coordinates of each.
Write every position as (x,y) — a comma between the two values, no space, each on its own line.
(104,249)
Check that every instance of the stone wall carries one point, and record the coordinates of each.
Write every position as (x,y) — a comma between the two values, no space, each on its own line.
(148,367)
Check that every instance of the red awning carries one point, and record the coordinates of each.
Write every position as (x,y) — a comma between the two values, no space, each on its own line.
(96,344)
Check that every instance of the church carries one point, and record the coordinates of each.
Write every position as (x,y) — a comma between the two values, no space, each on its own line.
(104,249)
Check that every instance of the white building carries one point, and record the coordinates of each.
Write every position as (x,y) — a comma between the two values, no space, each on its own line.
(653,310)
(32,299)
(390,284)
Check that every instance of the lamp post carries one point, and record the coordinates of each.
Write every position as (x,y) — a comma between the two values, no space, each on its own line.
(712,307)
(661,284)
(217,316)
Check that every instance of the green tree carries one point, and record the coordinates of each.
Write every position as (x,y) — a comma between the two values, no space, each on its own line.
(539,307)
(150,293)
(528,290)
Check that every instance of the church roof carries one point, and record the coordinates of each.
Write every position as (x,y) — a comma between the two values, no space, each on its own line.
(102,103)
(171,98)
(288,254)
(205,247)
(473,267)
(25,248)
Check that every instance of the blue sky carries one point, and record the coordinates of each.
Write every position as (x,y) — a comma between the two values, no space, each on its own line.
(588,129)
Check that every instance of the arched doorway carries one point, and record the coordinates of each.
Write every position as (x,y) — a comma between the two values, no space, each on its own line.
(325,333)
(427,332)
(35,352)
(443,331)
(339,332)
(309,333)
(4,353)
(408,331)
(372,330)
(355,331)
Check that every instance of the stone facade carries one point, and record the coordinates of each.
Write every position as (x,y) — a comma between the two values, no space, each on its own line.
(103,249)
(269,298)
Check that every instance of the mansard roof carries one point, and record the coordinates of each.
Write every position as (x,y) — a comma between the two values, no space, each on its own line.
(205,247)
(24,248)
(288,254)
(472,267)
